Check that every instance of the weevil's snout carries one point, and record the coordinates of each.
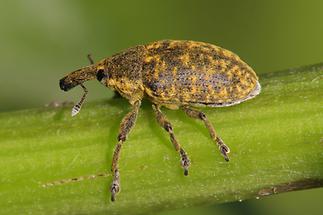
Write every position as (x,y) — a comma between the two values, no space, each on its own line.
(65,84)
(77,77)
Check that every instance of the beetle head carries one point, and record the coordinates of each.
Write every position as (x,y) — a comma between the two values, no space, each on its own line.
(78,77)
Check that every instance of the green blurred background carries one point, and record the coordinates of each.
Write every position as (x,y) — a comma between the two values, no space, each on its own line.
(42,40)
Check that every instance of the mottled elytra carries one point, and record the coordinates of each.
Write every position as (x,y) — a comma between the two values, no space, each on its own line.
(174,74)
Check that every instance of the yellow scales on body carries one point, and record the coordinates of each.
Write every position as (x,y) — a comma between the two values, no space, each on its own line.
(195,73)
(175,74)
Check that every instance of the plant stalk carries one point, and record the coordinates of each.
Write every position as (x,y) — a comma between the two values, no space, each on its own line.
(52,163)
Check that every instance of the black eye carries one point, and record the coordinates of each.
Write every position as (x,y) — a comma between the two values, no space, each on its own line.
(100,75)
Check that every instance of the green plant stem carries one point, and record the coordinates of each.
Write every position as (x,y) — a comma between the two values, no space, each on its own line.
(47,157)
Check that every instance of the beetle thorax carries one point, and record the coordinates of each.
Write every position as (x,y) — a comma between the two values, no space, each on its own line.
(124,73)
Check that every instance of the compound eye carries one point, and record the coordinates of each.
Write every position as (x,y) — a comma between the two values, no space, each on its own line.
(100,75)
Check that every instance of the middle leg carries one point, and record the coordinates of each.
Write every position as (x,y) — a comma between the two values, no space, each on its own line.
(161,119)
(224,149)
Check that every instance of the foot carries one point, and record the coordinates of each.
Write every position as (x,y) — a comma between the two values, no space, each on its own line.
(185,161)
(224,149)
(115,186)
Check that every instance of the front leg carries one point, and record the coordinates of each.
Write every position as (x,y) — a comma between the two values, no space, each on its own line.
(126,124)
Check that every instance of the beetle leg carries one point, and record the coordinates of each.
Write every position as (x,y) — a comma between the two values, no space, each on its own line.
(126,124)
(224,149)
(161,119)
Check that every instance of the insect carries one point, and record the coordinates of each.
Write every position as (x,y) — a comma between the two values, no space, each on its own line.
(174,74)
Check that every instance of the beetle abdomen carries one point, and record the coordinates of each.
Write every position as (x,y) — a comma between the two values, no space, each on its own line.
(196,73)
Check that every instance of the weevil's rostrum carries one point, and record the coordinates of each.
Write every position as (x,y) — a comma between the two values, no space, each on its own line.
(174,74)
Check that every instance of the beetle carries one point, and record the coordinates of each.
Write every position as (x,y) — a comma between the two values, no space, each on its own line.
(174,74)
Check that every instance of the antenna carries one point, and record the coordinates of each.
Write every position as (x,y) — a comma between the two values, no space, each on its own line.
(89,56)
(76,108)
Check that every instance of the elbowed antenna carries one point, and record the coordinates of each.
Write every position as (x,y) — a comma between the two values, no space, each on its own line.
(78,77)
(77,107)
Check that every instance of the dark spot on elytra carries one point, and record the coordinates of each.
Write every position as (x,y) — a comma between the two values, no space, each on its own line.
(152,86)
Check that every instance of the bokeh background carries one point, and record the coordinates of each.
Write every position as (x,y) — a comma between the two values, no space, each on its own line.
(42,40)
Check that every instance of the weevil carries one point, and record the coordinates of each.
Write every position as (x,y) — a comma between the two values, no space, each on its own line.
(174,74)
